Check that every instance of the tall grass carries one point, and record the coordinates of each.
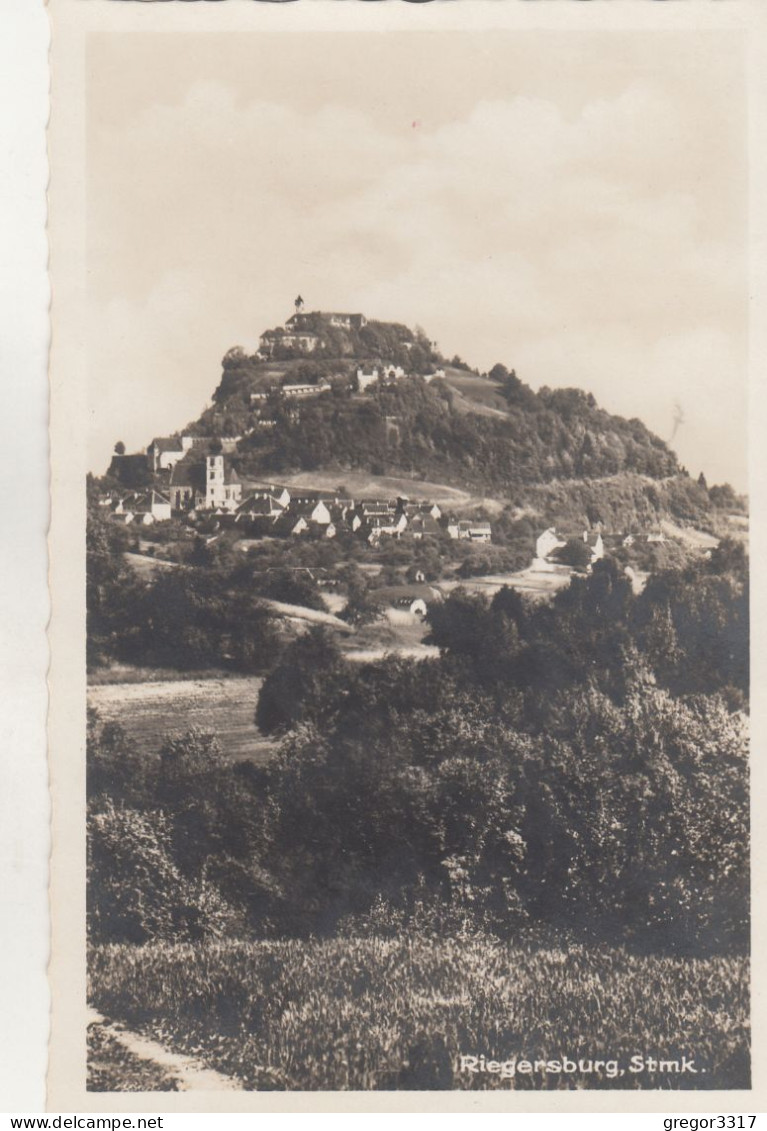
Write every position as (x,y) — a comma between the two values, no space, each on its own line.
(397,1014)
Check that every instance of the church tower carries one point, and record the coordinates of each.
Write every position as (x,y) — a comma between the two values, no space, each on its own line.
(214,485)
(299,304)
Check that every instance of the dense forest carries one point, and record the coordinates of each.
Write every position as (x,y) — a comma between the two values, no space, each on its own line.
(578,767)
(414,427)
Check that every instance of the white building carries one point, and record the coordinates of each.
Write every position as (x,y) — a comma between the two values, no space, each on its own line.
(166,451)
(223,490)
(470,531)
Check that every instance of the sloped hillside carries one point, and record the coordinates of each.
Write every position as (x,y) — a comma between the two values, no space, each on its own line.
(554,452)
(411,426)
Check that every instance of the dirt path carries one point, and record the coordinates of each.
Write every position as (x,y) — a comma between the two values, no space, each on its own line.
(188,1074)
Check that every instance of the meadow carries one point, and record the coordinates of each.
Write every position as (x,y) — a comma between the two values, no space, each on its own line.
(373,1013)
(150,709)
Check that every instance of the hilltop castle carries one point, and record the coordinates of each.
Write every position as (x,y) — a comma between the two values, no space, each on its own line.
(305,331)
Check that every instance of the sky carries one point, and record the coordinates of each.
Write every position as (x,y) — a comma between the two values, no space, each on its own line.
(572,205)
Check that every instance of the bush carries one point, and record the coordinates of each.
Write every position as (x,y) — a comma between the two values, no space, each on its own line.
(136,892)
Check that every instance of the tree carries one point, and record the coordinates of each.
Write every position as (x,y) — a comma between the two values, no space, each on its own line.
(234,358)
(136,892)
(119,448)
(575,553)
(361,608)
(302,686)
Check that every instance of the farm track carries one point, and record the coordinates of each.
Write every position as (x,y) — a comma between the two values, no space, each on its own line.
(183,1072)
(148,711)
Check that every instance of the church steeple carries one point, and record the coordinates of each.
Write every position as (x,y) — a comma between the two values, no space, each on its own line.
(299,304)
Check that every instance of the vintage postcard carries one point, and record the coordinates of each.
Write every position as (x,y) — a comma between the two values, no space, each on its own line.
(401,529)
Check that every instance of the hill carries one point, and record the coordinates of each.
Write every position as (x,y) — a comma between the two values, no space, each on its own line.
(424,418)
(338,397)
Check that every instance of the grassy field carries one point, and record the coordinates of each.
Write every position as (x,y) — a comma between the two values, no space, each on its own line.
(399,1014)
(476,394)
(361,484)
(533,583)
(149,710)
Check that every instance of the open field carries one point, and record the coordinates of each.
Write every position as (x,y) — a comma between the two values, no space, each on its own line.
(532,582)
(698,539)
(312,616)
(150,710)
(361,484)
(146,566)
(396,633)
(475,394)
(399,1014)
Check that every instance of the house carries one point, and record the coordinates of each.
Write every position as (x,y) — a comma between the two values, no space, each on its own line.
(290,525)
(413,599)
(365,380)
(278,493)
(475,531)
(302,320)
(595,543)
(545,545)
(166,451)
(412,509)
(433,376)
(303,331)
(129,470)
(340,513)
(346,321)
(549,544)
(390,525)
(151,507)
(185,488)
(328,530)
(259,506)
(423,525)
(305,390)
(121,504)
(121,510)
(468,531)
(306,341)
(376,508)
(223,489)
(315,512)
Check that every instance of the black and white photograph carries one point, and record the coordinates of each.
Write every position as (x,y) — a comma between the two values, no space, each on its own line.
(414,520)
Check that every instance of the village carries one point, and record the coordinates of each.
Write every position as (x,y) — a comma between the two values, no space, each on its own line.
(416,544)
(213,489)
(206,494)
